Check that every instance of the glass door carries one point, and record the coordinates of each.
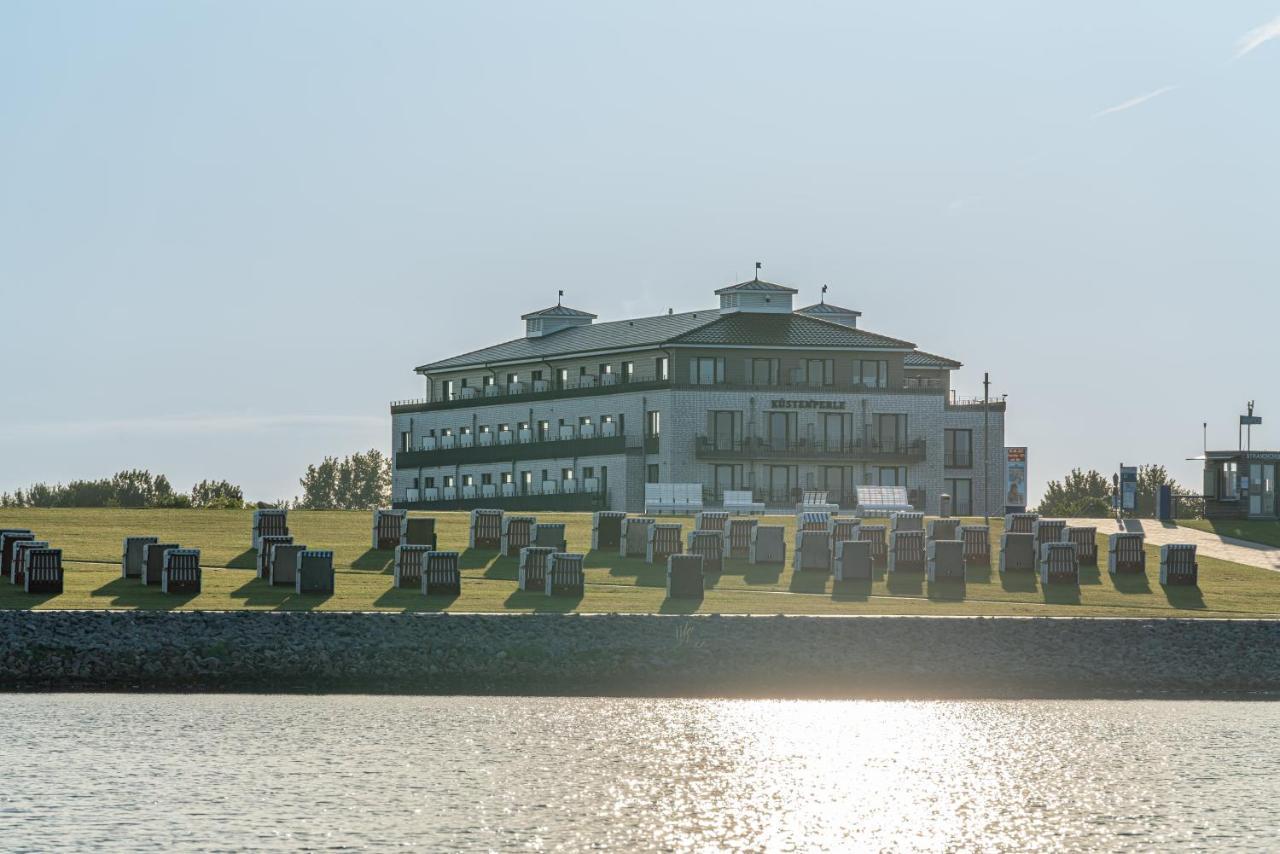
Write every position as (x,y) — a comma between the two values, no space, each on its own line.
(779,483)
(833,432)
(1262,489)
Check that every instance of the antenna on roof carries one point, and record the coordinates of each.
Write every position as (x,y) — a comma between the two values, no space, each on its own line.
(824,295)
(559,297)
(758,266)
(671,311)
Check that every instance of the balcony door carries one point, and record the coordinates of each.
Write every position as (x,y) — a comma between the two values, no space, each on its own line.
(890,433)
(833,481)
(726,429)
(833,431)
(782,428)
(779,483)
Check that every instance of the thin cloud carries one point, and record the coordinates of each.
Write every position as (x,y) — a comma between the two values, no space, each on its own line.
(190,424)
(1132,102)
(1258,36)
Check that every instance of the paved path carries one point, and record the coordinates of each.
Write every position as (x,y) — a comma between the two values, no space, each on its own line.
(1210,545)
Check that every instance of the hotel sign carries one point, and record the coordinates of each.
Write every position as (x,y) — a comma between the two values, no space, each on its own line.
(807,404)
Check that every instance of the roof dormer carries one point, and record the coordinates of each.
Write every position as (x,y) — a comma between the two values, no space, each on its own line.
(553,319)
(757,297)
(831,313)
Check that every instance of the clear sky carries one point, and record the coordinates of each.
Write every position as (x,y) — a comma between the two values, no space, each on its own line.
(229,230)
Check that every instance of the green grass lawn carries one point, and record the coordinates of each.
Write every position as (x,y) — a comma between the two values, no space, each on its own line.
(1267,533)
(91,543)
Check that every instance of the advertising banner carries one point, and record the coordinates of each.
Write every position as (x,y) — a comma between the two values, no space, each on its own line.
(1129,488)
(1015,480)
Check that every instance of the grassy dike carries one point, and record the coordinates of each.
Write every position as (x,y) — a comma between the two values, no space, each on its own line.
(91,540)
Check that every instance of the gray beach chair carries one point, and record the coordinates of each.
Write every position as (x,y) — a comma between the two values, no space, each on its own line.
(946,560)
(685,578)
(1017,552)
(852,561)
(768,545)
(131,555)
(315,572)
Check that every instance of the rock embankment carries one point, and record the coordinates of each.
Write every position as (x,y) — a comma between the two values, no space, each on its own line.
(636,655)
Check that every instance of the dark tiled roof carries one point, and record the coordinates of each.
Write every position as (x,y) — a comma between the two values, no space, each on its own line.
(785,330)
(557,311)
(614,335)
(921,359)
(821,308)
(757,285)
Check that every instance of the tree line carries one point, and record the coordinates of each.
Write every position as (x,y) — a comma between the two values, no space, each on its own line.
(361,481)
(1089,493)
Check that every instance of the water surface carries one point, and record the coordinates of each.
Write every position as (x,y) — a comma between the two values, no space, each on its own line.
(124,772)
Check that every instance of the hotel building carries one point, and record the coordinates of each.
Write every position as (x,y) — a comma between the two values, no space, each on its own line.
(753,394)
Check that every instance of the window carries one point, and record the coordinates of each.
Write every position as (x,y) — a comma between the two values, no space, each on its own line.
(628,369)
(588,471)
(961,491)
(890,433)
(448,481)
(706,370)
(526,481)
(725,477)
(406,440)
(544,427)
(522,425)
(1228,481)
(503,428)
(512,379)
(467,480)
(446,431)
(536,375)
(762,371)
(450,389)
(888,476)
(505,477)
(566,474)
(660,369)
(782,429)
(871,373)
(818,372)
(725,428)
(487,381)
(486,479)
(584,420)
(651,474)
(605,369)
(582,370)
(484,428)
(464,431)
(429,482)
(958,449)
(562,377)
(653,424)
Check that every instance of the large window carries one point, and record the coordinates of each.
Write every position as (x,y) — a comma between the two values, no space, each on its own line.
(762,371)
(958,449)
(653,423)
(890,432)
(660,367)
(961,491)
(725,428)
(871,373)
(819,372)
(706,370)
(651,473)
(782,429)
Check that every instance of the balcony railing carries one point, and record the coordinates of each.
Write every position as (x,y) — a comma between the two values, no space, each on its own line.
(710,448)
(958,459)
(583,386)
(788,497)
(560,501)
(510,451)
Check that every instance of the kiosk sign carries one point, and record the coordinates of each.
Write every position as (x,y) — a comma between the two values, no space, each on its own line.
(1128,488)
(1015,480)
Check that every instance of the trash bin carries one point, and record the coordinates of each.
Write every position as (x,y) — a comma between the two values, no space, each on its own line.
(1164,503)
(944,506)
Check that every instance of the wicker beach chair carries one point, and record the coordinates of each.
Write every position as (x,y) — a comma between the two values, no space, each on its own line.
(181,572)
(907,551)
(664,541)
(1178,565)
(852,561)
(685,578)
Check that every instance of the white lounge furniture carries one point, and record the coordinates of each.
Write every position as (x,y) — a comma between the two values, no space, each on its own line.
(676,499)
(740,501)
(882,500)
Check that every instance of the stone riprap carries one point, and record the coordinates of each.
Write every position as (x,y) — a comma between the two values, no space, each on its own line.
(647,655)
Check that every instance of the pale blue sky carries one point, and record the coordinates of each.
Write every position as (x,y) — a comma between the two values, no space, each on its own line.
(228,231)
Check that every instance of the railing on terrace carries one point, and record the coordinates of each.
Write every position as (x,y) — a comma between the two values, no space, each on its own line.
(958,459)
(787,498)
(711,448)
(501,451)
(613,383)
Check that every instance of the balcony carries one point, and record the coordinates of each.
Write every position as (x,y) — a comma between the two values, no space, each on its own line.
(958,459)
(508,452)
(585,386)
(560,501)
(750,448)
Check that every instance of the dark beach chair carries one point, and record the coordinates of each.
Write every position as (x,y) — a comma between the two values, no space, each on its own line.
(315,572)
(907,551)
(441,574)
(685,578)
(181,571)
